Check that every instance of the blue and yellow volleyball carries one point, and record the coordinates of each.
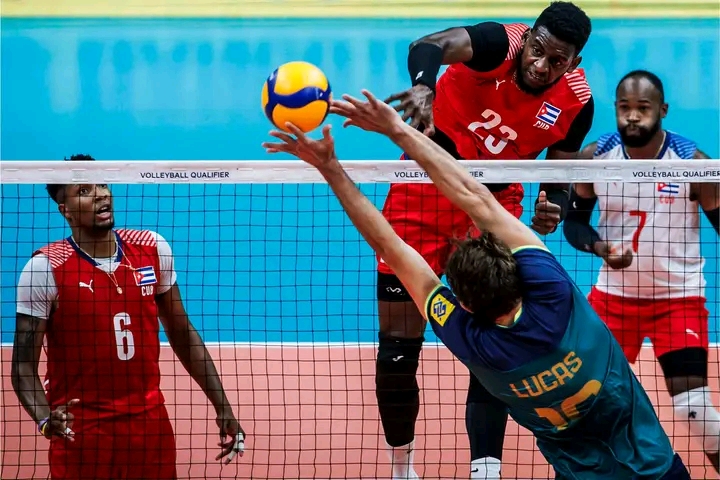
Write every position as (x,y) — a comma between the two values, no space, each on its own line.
(297,92)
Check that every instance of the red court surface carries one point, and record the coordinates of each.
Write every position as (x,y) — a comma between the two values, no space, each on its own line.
(310,412)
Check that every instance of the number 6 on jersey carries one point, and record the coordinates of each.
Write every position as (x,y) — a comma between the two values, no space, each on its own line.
(123,336)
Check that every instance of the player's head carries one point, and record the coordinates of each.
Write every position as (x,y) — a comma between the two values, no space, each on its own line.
(551,48)
(639,107)
(85,206)
(482,274)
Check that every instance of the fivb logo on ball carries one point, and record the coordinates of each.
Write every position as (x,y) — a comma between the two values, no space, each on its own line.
(299,93)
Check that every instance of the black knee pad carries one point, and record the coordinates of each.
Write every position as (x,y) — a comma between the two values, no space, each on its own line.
(688,362)
(397,362)
(391,289)
(397,391)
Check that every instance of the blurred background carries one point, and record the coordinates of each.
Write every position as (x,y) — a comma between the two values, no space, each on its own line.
(181,80)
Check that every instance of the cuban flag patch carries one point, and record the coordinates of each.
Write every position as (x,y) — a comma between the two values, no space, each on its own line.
(669,188)
(145,276)
(548,114)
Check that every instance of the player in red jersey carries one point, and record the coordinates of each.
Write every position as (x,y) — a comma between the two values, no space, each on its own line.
(96,297)
(510,92)
(655,286)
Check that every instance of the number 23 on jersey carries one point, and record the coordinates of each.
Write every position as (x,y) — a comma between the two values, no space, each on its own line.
(494,144)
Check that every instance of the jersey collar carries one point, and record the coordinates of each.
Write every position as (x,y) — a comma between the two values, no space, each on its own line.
(661,153)
(88,258)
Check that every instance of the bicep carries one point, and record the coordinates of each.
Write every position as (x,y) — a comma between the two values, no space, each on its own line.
(171,309)
(413,271)
(29,336)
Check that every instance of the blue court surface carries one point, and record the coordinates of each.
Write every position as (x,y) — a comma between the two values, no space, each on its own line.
(278,263)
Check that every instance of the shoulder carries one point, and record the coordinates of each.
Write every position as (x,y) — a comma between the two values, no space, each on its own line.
(143,238)
(441,304)
(606,143)
(578,85)
(514,32)
(39,263)
(683,147)
(538,265)
(588,151)
(56,253)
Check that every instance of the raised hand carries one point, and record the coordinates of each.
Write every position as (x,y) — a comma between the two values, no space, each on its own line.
(416,105)
(373,115)
(317,153)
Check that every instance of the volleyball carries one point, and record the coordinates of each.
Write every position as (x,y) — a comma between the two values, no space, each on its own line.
(296,92)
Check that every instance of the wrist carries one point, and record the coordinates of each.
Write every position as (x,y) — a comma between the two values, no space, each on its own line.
(600,249)
(43,425)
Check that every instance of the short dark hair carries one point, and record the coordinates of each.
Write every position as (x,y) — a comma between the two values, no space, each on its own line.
(482,274)
(649,76)
(567,22)
(57,190)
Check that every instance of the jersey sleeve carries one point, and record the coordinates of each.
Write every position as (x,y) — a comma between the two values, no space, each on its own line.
(453,324)
(579,129)
(547,291)
(167,277)
(490,44)
(36,289)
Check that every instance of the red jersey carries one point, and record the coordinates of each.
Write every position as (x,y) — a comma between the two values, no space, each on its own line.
(102,337)
(487,116)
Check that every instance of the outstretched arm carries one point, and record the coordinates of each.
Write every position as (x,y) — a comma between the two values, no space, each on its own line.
(447,174)
(412,270)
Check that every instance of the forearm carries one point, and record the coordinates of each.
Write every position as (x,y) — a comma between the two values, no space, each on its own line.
(371,224)
(577,229)
(29,390)
(451,178)
(194,356)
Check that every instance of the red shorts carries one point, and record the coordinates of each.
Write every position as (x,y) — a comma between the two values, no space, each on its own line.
(136,447)
(427,221)
(670,324)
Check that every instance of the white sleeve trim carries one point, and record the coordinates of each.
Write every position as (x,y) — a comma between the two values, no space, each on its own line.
(167,277)
(36,291)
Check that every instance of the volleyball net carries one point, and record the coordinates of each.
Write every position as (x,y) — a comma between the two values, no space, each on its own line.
(282,289)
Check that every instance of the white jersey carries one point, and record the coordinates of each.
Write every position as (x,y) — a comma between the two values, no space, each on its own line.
(658,221)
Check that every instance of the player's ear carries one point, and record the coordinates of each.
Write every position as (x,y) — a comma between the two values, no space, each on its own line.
(664,110)
(464,307)
(64,211)
(574,64)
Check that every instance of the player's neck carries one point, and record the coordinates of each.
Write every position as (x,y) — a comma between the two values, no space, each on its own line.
(651,150)
(509,319)
(96,245)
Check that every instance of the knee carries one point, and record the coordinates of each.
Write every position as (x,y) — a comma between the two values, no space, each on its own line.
(397,361)
(684,369)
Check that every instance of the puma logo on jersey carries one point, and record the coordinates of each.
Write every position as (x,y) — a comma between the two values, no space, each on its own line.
(87,285)
(497,83)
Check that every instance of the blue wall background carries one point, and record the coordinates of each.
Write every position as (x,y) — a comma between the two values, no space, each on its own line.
(269,263)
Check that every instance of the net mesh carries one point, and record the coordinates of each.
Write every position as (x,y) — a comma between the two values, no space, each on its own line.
(282,289)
